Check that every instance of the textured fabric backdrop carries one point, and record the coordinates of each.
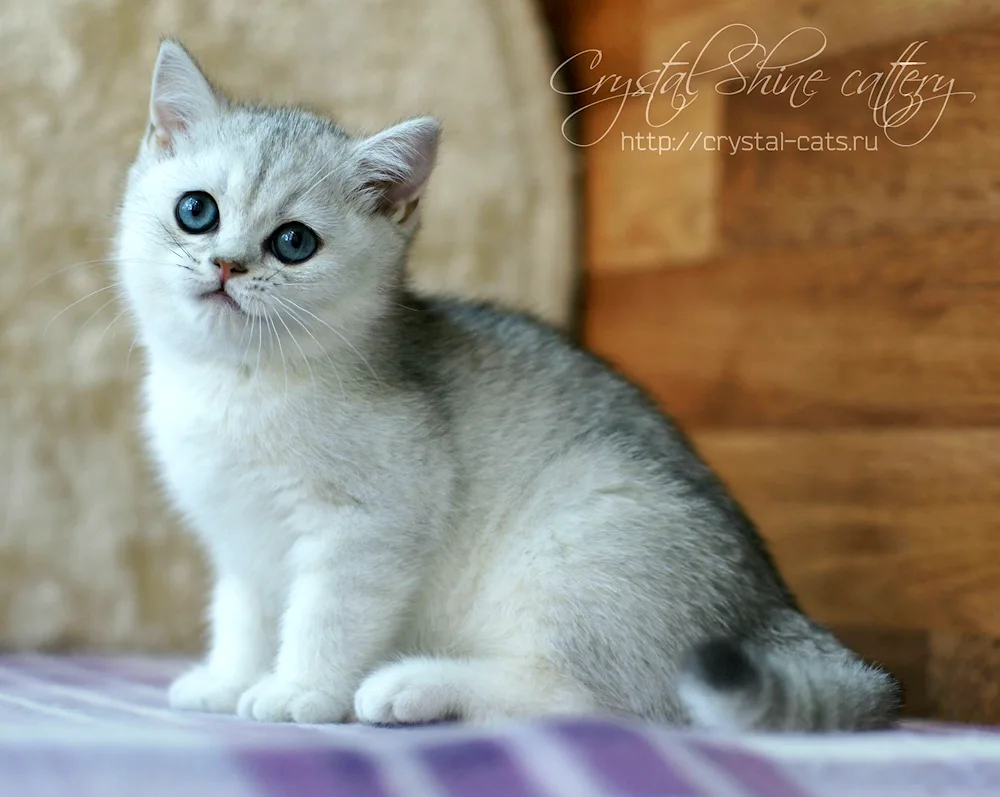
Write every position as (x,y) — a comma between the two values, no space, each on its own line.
(88,553)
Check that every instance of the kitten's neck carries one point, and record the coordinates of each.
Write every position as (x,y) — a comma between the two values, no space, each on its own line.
(350,357)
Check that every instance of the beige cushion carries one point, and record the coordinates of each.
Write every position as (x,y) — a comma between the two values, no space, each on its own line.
(88,553)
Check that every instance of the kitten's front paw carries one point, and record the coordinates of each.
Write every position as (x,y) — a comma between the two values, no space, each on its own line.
(277,699)
(200,689)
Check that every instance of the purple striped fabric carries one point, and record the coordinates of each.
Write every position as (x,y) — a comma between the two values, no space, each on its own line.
(95,727)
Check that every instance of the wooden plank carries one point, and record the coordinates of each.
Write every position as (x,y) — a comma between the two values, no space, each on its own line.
(646,209)
(964,678)
(847,192)
(847,24)
(892,529)
(639,34)
(886,332)
(615,27)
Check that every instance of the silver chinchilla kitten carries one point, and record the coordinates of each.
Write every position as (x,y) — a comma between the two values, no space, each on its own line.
(420,508)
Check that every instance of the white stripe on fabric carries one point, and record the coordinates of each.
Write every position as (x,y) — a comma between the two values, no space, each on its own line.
(550,764)
(66,715)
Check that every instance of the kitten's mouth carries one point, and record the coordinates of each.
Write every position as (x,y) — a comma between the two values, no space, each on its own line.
(220,297)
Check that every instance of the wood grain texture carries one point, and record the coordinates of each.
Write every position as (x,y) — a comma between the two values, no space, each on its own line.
(963,678)
(847,24)
(633,30)
(632,221)
(897,527)
(652,209)
(815,198)
(836,351)
(647,209)
(615,28)
(890,332)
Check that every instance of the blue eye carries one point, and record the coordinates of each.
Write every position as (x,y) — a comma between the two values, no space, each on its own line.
(293,242)
(196,213)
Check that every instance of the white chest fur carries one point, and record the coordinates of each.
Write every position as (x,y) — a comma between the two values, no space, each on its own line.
(227,451)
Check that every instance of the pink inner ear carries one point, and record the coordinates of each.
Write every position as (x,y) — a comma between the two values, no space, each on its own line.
(166,117)
(396,163)
(420,165)
(166,123)
(181,95)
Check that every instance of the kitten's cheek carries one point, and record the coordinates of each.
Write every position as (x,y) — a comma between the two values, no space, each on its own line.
(276,699)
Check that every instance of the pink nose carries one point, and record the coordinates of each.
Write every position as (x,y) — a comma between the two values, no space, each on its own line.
(227,268)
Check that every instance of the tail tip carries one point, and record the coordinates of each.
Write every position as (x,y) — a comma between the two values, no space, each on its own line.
(723,666)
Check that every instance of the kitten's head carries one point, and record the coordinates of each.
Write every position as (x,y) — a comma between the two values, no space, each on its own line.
(240,223)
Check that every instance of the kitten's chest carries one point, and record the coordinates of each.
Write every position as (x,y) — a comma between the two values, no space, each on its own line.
(225,450)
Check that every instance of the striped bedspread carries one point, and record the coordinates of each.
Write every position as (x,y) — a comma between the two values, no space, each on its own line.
(94,727)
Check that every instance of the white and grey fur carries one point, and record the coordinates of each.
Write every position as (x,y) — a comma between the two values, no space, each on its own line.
(422,508)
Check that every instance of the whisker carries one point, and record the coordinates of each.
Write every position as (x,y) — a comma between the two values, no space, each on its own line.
(153,218)
(63,270)
(114,321)
(97,262)
(176,240)
(252,321)
(246,322)
(333,365)
(260,343)
(309,190)
(74,304)
(341,336)
(170,233)
(281,351)
(312,376)
(128,358)
(89,319)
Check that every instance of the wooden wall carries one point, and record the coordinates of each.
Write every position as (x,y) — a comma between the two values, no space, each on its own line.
(826,324)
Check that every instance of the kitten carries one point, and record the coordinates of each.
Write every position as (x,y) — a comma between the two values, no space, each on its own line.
(421,508)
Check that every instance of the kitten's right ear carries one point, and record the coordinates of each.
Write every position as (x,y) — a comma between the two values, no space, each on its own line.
(181,95)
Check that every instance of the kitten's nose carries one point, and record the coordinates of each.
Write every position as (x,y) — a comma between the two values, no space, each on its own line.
(227,268)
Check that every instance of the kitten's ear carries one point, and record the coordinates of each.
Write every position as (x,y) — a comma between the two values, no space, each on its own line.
(393,167)
(181,94)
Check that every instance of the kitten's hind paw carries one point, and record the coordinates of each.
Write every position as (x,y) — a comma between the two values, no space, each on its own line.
(278,699)
(481,692)
(201,689)
(412,691)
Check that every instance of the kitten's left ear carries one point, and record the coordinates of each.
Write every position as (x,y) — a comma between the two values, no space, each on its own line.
(181,94)
(393,167)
